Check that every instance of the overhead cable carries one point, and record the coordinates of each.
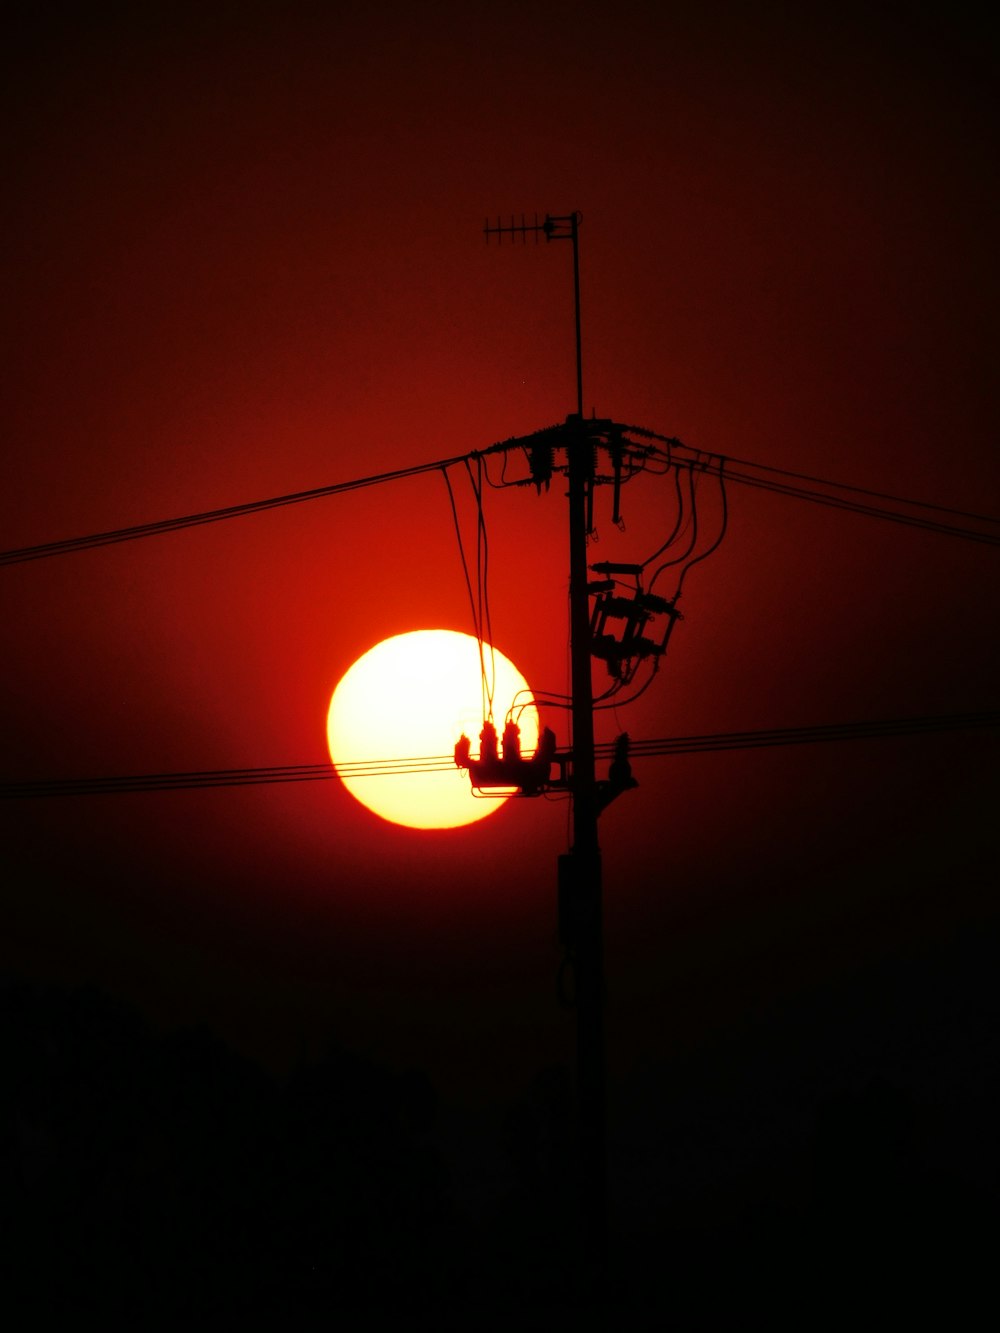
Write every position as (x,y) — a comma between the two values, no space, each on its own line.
(715,742)
(870,511)
(824,496)
(85,543)
(550,435)
(673,443)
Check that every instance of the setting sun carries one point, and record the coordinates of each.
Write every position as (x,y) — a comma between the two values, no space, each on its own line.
(409,699)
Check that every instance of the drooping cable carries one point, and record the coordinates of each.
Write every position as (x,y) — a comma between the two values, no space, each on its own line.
(718,541)
(482,591)
(869,511)
(612,694)
(677,525)
(842,501)
(673,443)
(23,554)
(242,777)
(837,731)
(545,698)
(864,490)
(465,563)
(69,546)
(712,743)
(692,520)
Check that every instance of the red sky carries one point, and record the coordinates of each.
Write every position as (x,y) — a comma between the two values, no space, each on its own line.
(242,256)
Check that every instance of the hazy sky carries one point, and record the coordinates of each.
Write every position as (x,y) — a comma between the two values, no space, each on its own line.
(243,256)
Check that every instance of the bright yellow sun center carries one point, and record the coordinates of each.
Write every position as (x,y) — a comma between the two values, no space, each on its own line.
(400,709)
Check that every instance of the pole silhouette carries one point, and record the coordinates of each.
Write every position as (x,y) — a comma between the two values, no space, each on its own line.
(580,888)
(585,881)
(585,926)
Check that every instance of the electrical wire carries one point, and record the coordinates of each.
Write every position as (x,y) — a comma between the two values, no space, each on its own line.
(673,443)
(535,699)
(718,541)
(612,694)
(21,555)
(680,515)
(864,490)
(241,777)
(478,600)
(465,563)
(482,590)
(69,546)
(840,502)
(677,745)
(870,511)
(837,731)
(692,521)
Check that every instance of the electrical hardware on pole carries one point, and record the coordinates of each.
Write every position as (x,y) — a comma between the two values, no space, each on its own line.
(628,625)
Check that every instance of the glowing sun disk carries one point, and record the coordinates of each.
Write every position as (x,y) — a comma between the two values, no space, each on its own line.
(410,698)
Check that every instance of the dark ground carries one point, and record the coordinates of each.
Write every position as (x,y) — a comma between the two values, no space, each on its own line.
(828,1165)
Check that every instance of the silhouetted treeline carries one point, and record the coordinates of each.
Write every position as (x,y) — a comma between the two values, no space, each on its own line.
(832,1161)
(165,1173)
(162,1175)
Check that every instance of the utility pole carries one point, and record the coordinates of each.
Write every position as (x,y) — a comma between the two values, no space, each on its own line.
(619,633)
(580,888)
(584,887)
(622,601)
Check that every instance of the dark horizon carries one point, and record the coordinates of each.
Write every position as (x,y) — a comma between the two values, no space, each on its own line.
(243,258)
(806,1158)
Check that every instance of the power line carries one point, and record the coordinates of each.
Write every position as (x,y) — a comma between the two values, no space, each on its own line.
(863,490)
(837,731)
(834,501)
(225,777)
(21,555)
(73,544)
(712,743)
(869,511)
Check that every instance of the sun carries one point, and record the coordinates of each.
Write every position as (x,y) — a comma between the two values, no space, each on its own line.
(404,704)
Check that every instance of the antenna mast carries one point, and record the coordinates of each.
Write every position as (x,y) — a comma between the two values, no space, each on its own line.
(563,227)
